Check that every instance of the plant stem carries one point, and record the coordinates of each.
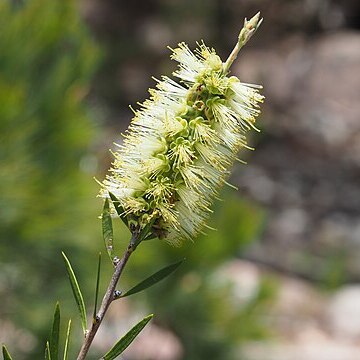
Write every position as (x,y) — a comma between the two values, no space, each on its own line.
(108,297)
(248,30)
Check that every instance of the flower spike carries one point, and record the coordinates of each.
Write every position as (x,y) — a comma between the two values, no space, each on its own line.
(183,141)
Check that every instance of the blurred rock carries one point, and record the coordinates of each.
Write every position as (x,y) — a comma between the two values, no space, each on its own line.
(343,313)
(306,323)
(307,167)
(244,278)
(313,350)
(312,87)
(153,343)
(17,338)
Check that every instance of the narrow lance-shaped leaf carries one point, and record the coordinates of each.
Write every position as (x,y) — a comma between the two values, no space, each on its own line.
(47,351)
(119,209)
(97,286)
(6,354)
(153,279)
(67,339)
(55,334)
(77,293)
(107,230)
(127,339)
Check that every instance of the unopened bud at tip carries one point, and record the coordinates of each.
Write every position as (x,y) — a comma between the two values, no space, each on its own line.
(254,22)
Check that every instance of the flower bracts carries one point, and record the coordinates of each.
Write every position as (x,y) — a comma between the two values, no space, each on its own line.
(181,145)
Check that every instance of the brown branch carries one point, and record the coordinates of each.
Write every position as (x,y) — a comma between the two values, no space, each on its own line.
(109,297)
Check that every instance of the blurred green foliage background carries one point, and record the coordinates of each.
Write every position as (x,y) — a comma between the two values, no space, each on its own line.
(47,197)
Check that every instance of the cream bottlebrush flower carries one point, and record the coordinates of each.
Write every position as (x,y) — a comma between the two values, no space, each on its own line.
(183,141)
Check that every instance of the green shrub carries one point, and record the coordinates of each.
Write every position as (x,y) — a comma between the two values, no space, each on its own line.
(47,202)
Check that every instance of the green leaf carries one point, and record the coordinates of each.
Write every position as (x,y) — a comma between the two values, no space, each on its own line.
(67,339)
(55,334)
(97,285)
(107,230)
(47,351)
(77,293)
(119,209)
(127,339)
(6,354)
(153,279)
